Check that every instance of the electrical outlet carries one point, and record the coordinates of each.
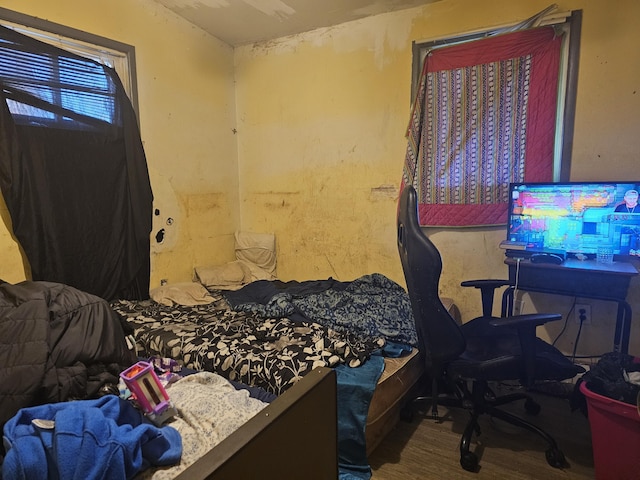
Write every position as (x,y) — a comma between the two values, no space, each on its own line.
(582,313)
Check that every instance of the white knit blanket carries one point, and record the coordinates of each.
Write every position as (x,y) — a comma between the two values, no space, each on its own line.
(209,410)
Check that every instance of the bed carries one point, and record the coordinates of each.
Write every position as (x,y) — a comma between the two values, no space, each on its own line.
(62,351)
(272,334)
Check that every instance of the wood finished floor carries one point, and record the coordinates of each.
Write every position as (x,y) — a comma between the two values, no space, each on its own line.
(425,449)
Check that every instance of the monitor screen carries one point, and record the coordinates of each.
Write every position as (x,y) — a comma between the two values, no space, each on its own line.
(574,218)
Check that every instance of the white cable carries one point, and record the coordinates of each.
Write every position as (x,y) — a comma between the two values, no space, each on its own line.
(515,286)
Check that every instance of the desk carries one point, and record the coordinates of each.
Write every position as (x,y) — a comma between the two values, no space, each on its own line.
(577,278)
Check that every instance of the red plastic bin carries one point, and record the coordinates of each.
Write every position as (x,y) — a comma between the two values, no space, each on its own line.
(615,436)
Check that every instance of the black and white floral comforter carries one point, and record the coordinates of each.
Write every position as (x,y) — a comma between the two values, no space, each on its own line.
(272,353)
(271,334)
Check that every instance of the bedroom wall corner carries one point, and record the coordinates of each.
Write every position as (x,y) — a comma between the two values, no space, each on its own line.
(321,144)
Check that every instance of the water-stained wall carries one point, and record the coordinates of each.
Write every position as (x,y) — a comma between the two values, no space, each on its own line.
(321,143)
(321,122)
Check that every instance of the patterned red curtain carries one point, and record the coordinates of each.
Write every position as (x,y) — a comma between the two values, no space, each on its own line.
(484,116)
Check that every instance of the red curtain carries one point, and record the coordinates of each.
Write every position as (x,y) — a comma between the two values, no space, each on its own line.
(484,116)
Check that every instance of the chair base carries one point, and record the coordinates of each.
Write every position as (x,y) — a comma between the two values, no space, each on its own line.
(480,400)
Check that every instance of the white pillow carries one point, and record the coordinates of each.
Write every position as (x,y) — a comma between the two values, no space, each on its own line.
(258,252)
(230,275)
(189,293)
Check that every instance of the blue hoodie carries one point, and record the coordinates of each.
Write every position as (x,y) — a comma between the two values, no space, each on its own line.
(88,439)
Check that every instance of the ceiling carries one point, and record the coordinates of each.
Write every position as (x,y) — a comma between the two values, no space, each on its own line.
(240,22)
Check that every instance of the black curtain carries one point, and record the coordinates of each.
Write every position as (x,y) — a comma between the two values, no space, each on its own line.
(73,171)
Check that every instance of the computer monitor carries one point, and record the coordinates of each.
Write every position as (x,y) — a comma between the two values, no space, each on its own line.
(573,218)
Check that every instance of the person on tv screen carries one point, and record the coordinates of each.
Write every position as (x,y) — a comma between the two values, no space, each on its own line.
(630,204)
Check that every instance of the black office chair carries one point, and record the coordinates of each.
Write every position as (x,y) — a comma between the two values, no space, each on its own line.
(466,359)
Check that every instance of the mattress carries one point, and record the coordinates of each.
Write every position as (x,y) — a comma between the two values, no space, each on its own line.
(394,389)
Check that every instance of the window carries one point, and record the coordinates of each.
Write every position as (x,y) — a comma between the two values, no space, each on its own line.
(73,172)
(491,108)
(65,90)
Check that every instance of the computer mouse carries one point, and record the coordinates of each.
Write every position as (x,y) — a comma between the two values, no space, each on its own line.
(546,258)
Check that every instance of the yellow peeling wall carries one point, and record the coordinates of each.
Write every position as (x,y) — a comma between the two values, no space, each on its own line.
(187,117)
(321,120)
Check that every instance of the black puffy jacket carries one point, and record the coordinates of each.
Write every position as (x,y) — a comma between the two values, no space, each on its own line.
(57,343)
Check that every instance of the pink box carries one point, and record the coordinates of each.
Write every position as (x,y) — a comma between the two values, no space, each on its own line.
(151,395)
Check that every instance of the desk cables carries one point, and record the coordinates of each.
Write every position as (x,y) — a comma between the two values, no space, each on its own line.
(515,285)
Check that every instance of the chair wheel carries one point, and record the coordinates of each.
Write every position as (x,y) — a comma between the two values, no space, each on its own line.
(555,458)
(531,407)
(469,461)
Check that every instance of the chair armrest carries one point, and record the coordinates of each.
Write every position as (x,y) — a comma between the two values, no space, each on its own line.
(526,327)
(485,283)
(487,289)
(524,320)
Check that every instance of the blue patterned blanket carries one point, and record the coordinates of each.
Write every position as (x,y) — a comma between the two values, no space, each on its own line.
(372,305)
